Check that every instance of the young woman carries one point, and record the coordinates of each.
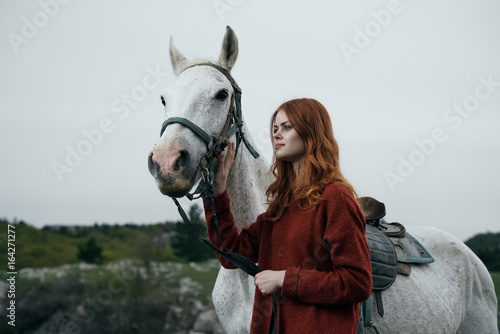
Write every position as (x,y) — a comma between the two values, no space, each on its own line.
(310,243)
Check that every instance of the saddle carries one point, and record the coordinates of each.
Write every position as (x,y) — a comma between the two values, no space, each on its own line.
(392,250)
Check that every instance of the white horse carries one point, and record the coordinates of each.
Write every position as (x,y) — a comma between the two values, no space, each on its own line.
(455,294)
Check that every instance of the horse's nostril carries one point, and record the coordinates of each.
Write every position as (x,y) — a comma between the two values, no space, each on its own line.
(152,165)
(182,162)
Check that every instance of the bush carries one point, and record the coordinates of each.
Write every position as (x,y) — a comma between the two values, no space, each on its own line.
(90,251)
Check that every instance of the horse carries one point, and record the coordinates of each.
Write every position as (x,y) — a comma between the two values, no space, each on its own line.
(455,294)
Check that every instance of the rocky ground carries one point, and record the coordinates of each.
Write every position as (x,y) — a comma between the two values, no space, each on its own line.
(120,297)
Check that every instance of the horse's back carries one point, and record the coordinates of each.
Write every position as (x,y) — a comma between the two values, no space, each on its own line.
(455,294)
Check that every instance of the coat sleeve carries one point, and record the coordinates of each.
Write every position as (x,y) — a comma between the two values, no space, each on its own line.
(349,280)
(245,243)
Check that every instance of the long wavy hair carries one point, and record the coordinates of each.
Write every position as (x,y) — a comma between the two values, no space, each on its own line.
(319,166)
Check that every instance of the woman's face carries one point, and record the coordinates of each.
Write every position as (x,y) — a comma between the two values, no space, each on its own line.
(287,143)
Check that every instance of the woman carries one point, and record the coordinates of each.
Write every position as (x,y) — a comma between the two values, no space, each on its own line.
(310,243)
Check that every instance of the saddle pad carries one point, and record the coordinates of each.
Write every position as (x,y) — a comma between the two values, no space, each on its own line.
(415,252)
(383,258)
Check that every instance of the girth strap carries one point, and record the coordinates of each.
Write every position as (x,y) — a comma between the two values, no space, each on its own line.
(380,304)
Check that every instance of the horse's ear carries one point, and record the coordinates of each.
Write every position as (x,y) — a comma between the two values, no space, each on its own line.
(177,59)
(229,50)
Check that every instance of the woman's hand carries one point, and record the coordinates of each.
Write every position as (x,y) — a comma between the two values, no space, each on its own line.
(269,281)
(225,162)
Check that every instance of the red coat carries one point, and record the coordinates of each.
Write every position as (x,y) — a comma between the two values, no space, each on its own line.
(325,255)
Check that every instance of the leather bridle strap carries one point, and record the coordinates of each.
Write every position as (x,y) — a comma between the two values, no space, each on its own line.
(188,124)
(216,145)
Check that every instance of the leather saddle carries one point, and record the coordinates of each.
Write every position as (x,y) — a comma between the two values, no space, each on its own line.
(407,248)
(392,250)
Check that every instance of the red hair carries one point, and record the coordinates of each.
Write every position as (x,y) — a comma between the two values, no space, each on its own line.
(319,166)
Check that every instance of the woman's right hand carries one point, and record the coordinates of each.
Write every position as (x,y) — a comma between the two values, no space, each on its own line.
(225,162)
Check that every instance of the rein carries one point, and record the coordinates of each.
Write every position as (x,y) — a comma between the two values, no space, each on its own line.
(215,147)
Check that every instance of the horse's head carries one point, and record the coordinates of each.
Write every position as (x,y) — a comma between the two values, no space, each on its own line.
(201,95)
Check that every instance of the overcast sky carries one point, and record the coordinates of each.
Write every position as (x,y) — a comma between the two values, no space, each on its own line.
(413,89)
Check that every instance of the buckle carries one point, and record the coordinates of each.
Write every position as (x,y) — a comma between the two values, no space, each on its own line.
(205,175)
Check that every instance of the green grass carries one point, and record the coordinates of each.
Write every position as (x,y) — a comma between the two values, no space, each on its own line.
(35,248)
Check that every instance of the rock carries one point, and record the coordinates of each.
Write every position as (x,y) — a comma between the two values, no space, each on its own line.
(196,307)
(218,329)
(207,322)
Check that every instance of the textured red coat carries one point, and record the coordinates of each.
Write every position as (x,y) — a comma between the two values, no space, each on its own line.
(325,255)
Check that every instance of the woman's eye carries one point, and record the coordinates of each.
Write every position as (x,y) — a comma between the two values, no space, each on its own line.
(288,127)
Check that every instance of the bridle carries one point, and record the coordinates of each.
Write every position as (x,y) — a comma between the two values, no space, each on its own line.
(215,147)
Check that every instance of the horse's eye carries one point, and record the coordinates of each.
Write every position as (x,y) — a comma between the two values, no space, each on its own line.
(162,100)
(222,95)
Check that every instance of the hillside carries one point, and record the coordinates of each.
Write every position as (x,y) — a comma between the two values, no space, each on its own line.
(53,246)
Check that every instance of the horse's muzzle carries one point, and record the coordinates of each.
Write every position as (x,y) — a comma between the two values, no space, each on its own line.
(174,182)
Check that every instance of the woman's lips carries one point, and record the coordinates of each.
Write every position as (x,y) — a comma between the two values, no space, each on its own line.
(277,146)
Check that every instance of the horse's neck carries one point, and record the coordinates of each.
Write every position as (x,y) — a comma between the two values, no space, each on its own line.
(246,185)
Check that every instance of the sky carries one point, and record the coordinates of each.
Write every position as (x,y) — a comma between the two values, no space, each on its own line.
(412,87)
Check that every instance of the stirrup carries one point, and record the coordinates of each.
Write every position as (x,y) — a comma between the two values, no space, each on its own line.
(372,325)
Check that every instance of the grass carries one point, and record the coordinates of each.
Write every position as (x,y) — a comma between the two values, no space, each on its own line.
(35,248)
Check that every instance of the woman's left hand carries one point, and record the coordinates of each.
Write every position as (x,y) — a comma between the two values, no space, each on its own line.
(269,281)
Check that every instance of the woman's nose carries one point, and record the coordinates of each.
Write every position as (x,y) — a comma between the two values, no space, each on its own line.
(277,135)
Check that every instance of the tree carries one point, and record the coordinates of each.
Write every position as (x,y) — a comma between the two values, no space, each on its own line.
(90,251)
(185,244)
(487,248)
